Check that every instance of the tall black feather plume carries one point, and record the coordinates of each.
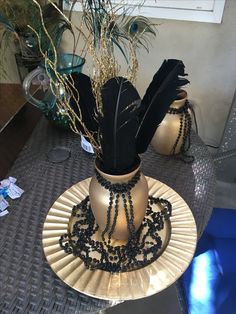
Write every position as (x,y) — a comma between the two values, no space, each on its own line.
(87,103)
(118,126)
(161,92)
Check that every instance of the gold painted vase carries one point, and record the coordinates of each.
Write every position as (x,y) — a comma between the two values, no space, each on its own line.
(167,133)
(100,198)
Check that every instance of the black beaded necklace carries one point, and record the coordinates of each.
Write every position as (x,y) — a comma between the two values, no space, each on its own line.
(184,130)
(118,190)
(142,247)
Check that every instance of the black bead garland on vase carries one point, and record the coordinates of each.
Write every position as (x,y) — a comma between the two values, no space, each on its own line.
(142,247)
(184,131)
(116,191)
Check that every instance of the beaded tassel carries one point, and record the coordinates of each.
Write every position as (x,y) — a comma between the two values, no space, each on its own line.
(117,191)
(140,250)
(184,130)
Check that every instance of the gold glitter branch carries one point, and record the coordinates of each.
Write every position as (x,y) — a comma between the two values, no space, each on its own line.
(104,65)
(64,85)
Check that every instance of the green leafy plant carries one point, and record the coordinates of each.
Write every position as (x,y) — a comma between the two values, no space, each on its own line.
(20,20)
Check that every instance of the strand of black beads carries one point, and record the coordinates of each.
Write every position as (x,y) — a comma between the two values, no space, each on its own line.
(179,133)
(115,218)
(167,208)
(118,187)
(184,130)
(189,121)
(166,205)
(131,206)
(126,212)
(111,199)
(185,133)
(187,139)
(112,255)
(120,258)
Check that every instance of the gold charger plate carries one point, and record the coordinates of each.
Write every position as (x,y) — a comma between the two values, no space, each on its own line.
(179,239)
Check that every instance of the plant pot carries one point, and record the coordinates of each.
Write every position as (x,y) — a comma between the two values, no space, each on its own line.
(170,136)
(100,198)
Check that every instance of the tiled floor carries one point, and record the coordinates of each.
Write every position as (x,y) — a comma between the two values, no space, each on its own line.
(226,183)
(165,302)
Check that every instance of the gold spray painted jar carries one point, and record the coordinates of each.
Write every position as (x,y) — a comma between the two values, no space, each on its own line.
(167,132)
(100,197)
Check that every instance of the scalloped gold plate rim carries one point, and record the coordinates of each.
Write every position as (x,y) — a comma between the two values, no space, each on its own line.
(153,278)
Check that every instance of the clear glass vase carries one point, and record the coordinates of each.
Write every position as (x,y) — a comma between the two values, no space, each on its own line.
(67,65)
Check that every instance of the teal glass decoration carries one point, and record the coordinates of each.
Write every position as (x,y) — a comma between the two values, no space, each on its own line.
(67,64)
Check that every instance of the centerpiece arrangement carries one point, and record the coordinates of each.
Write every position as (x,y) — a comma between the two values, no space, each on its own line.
(107,109)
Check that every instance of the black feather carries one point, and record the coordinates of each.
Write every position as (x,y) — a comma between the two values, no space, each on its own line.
(161,92)
(87,103)
(118,126)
